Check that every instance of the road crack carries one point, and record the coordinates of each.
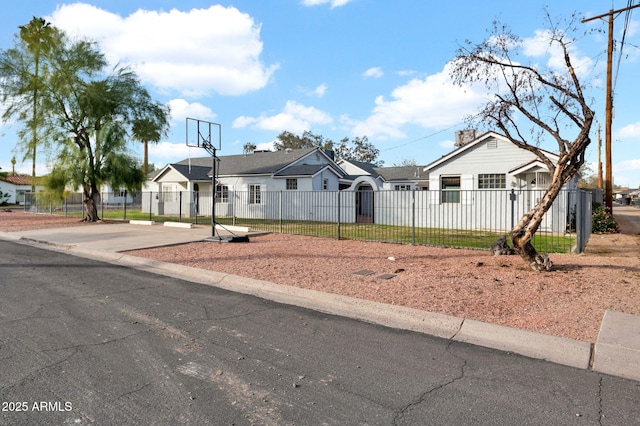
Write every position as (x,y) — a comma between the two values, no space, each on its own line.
(423,397)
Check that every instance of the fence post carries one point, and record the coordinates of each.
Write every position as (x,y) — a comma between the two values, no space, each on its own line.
(150,203)
(124,202)
(413,216)
(512,197)
(339,211)
(280,209)
(579,221)
(179,206)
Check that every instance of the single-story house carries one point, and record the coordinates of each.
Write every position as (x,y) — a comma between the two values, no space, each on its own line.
(492,162)
(310,169)
(16,186)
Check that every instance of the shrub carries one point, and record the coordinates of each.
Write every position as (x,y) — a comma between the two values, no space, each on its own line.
(602,222)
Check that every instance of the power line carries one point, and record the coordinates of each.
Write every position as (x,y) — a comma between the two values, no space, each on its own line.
(627,21)
(419,139)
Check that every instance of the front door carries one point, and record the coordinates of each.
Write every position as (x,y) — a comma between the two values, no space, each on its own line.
(364,204)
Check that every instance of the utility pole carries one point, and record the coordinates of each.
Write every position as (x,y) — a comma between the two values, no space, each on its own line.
(608,193)
(599,159)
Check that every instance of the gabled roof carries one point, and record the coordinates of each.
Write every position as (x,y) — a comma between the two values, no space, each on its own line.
(17,179)
(533,164)
(193,172)
(387,174)
(476,141)
(188,172)
(367,168)
(403,173)
(268,163)
(258,163)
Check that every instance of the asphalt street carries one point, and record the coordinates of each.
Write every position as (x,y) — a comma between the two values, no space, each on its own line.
(86,342)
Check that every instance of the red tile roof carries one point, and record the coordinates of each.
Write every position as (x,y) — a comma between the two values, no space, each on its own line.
(18,179)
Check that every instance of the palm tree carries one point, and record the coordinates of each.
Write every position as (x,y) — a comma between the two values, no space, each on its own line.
(151,128)
(24,70)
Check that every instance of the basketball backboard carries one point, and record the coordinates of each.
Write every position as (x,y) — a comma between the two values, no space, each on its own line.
(204,134)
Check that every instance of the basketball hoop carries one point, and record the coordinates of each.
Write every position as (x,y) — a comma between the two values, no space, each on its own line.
(208,135)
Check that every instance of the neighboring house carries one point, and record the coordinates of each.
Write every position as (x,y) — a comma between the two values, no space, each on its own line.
(368,180)
(252,175)
(366,176)
(489,161)
(492,162)
(627,195)
(16,186)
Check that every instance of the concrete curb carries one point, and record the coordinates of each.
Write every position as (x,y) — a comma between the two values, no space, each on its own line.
(179,224)
(555,349)
(617,351)
(142,222)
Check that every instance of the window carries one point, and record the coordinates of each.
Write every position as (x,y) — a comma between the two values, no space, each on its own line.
(254,194)
(450,186)
(222,194)
(325,184)
(403,187)
(292,183)
(492,181)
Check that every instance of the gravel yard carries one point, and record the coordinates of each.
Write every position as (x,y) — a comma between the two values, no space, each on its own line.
(569,301)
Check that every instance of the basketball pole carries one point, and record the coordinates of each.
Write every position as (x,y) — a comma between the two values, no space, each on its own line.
(206,142)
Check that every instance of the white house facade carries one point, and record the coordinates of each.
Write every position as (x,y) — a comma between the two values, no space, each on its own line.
(185,185)
(492,162)
(15,187)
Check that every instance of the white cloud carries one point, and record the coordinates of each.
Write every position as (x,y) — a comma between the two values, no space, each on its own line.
(294,118)
(317,92)
(432,102)
(627,166)
(181,109)
(333,3)
(373,72)
(320,91)
(194,52)
(265,146)
(406,73)
(449,144)
(631,131)
(167,152)
(539,46)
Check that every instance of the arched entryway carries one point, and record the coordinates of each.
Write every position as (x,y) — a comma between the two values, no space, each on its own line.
(364,204)
(196,198)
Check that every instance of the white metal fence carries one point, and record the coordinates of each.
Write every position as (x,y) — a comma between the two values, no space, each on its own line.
(392,216)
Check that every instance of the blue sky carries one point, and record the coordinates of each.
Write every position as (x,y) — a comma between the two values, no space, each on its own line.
(338,68)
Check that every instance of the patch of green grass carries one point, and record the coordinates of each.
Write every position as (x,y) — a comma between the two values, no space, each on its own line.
(459,238)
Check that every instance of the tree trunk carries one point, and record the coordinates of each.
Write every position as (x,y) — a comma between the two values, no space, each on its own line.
(90,198)
(145,166)
(524,231)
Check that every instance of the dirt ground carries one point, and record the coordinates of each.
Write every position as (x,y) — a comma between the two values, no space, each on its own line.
(626,243)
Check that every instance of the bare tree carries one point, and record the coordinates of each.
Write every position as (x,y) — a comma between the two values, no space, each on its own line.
(531,103)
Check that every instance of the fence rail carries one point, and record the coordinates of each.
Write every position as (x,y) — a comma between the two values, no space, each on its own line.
(470,219)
